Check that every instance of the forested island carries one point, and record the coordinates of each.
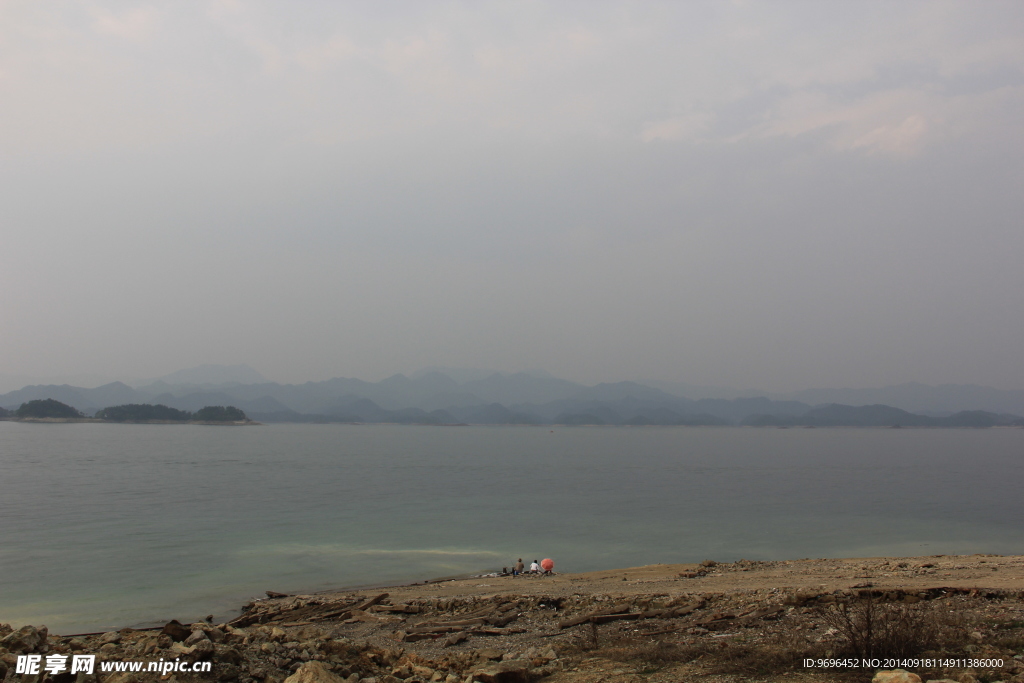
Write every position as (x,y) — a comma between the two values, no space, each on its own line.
(51,410)
(47,408)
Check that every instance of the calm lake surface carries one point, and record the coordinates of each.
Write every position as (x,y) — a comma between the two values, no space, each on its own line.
(105,526)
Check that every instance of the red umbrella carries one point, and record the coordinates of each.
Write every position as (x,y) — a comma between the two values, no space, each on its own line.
(547,564)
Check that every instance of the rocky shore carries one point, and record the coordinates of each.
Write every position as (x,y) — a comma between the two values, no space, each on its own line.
(959,617)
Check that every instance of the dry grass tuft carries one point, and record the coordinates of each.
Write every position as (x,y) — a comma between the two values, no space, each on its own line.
(870,628)
(771,654)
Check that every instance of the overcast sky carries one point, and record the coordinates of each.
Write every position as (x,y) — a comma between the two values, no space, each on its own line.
(776,195)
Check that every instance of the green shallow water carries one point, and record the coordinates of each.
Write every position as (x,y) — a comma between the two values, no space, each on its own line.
(104,526)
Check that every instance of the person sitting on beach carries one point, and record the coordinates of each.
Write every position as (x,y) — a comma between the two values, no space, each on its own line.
(518,569)
(535,568)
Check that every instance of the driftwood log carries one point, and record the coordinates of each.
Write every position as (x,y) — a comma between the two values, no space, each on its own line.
(622,612)
(622,608)
(371,602)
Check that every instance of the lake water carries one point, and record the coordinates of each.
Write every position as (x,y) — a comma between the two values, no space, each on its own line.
(105,526)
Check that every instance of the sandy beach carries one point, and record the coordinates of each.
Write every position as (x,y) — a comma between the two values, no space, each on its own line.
(776,621)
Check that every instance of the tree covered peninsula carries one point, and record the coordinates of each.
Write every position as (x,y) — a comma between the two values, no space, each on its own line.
(49,408)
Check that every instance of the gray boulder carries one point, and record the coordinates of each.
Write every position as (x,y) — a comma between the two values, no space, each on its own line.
(195,637)
(110,637)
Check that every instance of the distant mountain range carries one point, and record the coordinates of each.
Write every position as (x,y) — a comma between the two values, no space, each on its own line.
(435,397)
(213,374)
(936,401)
(941,400)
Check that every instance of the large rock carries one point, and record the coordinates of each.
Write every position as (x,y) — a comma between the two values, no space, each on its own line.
(215,634)
(176,630)
(424,672)
(25,640)
(146,645)
(195,637)
(896,676)
(490,653)
(509,671)
(204,649)
(227,654)
(314,672)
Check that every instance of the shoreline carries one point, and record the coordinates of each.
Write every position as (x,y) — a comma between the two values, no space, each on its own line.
(959,571)
(694,578)
(654,623)
(97,420)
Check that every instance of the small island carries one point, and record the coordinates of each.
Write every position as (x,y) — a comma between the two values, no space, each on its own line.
(50,410)
(47,408)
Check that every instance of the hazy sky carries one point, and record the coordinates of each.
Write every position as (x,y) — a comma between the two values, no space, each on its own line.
(773,194)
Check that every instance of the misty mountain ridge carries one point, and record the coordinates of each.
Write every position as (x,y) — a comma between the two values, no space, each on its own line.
(434,397)
(463,375)
(943,399)
(210,375)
